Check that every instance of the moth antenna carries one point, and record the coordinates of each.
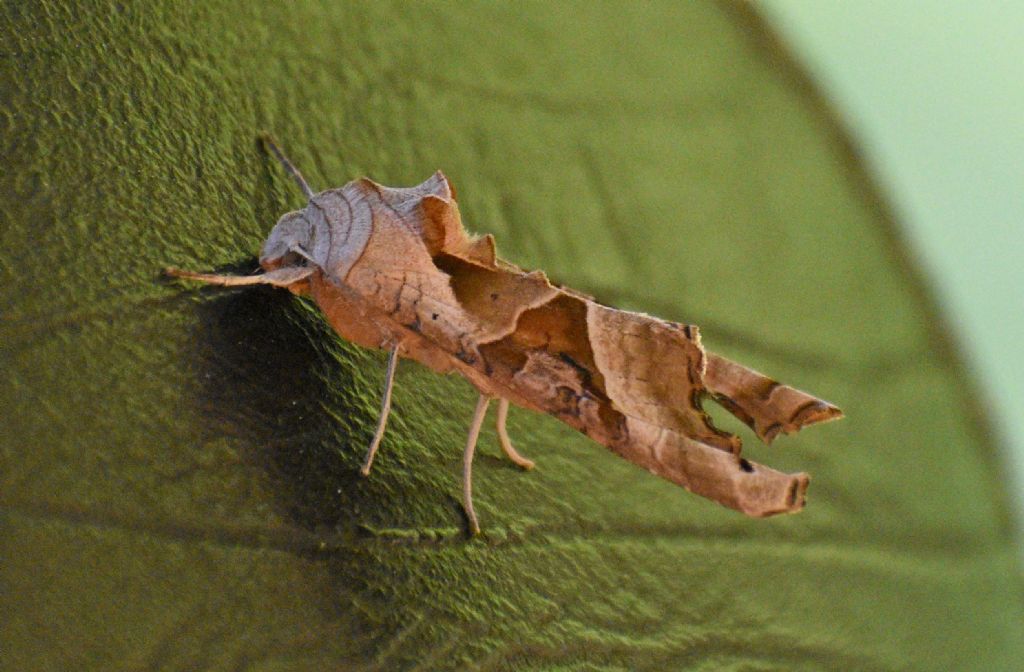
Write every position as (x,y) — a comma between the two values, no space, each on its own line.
(269,143)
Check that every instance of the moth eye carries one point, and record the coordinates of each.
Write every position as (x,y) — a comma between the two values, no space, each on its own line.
(293,259)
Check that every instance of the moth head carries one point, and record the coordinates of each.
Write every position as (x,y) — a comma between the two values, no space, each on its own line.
(289,242)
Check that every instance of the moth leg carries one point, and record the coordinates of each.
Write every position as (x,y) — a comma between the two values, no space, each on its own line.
(281,277)
(467,462)
(385,411)
(506,443)
(268,142)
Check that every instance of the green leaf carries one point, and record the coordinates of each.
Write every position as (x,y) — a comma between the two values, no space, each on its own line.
(178,468)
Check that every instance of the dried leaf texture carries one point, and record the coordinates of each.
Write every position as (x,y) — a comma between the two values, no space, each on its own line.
(765,405)
(399,268)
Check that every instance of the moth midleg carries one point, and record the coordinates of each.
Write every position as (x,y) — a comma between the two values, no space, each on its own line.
(506,443)
(281,277)
(269,143)
(467,462)
(385,411)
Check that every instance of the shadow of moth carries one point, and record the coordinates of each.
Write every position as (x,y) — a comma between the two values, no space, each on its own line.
(394,269)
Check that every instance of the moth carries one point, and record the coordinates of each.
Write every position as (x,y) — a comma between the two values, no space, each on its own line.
(393,268)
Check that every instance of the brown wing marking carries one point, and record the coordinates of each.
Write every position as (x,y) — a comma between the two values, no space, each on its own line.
(766,406)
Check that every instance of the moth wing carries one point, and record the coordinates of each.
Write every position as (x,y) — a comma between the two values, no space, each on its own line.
(422,270)
(765,405)
(654,371)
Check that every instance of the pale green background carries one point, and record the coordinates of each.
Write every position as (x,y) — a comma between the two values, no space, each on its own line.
(934,95)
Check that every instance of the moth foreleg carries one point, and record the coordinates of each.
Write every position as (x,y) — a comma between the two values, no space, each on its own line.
(281,277)
(385,411)
(506,443)
(467,462)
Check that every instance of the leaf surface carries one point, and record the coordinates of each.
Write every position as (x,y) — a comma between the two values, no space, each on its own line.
(178,470)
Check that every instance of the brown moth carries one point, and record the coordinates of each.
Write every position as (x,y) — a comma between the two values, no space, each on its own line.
(394,269)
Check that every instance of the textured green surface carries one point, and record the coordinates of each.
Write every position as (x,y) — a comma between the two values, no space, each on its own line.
(178,484)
